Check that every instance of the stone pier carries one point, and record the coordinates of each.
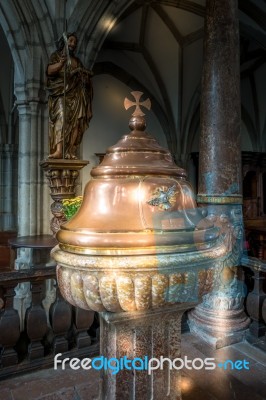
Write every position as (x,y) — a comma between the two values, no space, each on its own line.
(142,335)
(220,172)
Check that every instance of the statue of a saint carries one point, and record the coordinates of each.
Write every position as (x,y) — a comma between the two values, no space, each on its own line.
(70,99)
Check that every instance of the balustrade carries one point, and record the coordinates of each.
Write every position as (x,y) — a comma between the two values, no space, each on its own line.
(61,328)
(256,300)
(32,343)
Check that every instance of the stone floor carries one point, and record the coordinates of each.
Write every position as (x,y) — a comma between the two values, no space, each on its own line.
(215,384)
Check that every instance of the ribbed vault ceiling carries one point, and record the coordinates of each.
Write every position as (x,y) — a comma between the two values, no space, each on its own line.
(152,44)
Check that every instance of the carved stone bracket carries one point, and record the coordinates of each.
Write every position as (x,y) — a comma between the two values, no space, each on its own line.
(62,179)
(225,303)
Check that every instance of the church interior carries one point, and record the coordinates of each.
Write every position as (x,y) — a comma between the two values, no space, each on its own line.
(212,128)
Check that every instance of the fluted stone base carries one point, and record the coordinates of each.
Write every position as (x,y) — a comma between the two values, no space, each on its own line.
(219,328)
(152,333)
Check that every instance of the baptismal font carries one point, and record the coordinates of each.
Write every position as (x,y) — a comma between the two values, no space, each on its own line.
(140,252)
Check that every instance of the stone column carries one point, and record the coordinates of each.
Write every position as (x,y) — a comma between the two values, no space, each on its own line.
(220,319)
(24,170)
(8,177)
(31,190)
(132,336)
(220,151)
(25,184)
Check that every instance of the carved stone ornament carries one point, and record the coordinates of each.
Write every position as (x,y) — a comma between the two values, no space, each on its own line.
(62,179)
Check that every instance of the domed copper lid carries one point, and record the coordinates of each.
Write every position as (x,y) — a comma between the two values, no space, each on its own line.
(137,202)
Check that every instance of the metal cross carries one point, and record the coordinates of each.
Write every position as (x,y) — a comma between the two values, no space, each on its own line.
(137,95)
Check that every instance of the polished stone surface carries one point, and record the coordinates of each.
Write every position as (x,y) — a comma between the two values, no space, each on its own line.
(196,385)
(152,334)
(220,169)
(220,150)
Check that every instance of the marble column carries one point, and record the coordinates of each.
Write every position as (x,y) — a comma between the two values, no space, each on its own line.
(132,336)
(220,147)
(220,319)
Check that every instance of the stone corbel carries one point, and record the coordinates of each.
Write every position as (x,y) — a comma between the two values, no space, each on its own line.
(220,319)
(62,179)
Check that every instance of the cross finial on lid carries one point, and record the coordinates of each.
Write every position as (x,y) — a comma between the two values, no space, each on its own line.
(138,112)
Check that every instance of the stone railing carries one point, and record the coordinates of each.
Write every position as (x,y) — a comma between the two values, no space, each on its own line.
(255,276)
(30,340)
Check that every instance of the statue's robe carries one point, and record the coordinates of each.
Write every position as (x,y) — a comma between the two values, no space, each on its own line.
(76,108)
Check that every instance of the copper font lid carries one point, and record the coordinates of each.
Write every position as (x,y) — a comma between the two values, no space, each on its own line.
(138,200)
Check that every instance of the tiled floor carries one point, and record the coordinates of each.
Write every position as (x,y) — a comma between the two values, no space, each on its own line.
(196,384)
(220,384)
(51,385)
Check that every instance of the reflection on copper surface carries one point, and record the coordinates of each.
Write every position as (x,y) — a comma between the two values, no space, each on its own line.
(138,199)
(186,384)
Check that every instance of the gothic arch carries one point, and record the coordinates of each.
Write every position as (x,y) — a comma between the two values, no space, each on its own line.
(191,122)
(247,120)
(96,21)
(129,80)
(3,123)
(28,28)
(8,18)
